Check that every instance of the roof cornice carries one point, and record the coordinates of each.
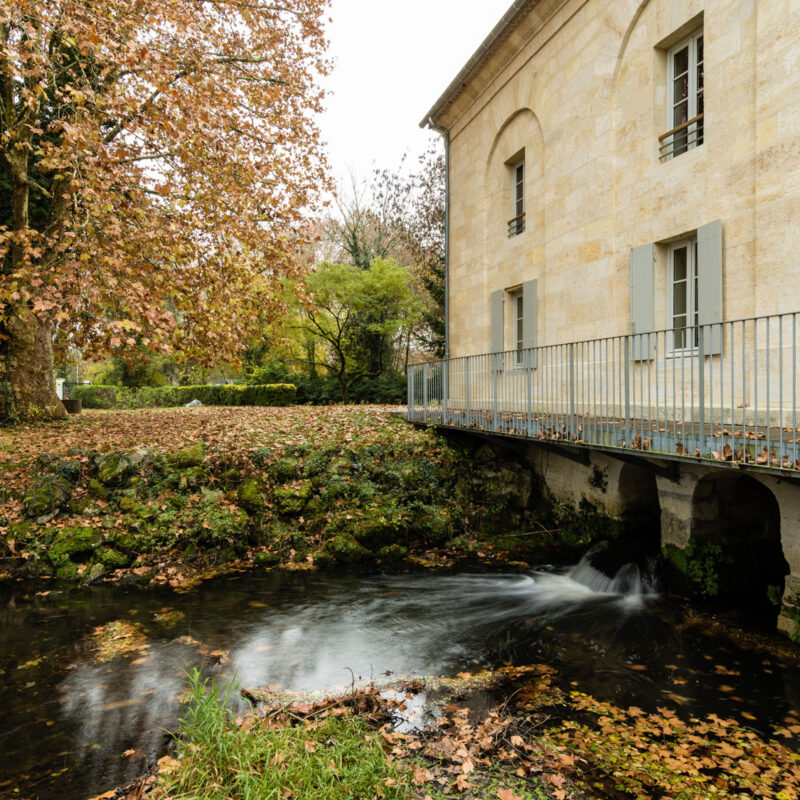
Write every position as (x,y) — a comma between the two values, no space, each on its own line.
(490,44)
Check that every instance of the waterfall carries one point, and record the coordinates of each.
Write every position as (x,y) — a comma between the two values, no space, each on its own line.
(626,581)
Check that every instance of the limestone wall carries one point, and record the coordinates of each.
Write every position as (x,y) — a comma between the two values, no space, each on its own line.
(581,89)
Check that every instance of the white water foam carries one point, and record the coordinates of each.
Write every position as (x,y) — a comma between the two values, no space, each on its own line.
(584,583)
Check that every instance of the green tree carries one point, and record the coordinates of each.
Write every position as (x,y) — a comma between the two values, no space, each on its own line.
(345,302)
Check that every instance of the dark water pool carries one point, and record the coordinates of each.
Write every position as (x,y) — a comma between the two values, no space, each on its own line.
(72,726)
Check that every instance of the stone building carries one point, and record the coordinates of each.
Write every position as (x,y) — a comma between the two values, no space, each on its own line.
(623,228)
(561,173)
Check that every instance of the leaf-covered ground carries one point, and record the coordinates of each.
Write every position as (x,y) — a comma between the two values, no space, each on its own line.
(542,743)
(171,495)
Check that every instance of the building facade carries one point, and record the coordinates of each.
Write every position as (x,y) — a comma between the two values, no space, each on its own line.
(576,214)
(623,272)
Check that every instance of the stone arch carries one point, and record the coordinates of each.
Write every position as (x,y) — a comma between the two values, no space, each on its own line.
(638,496)
(520,132)
(633,19)
(524,113)
(742,517)
(510,261)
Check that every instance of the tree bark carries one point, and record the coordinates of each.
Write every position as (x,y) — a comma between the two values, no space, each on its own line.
(27,381)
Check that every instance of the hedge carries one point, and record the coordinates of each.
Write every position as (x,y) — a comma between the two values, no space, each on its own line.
(96,396)
(276,394)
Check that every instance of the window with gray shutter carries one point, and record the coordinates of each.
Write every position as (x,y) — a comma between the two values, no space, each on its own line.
(497,326)
(530,318)
(497,321)
(642,302)
(709,285)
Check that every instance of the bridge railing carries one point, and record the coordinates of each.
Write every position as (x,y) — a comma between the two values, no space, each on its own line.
(726,392)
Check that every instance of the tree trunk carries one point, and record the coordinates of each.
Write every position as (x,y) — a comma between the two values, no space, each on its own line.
(27,382)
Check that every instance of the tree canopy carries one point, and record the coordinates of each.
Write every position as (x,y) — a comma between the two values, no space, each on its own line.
(344,302)
(159,158)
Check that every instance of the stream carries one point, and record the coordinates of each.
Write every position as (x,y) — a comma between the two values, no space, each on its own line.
(74,726)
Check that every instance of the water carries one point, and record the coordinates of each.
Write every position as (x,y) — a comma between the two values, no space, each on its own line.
(73,727)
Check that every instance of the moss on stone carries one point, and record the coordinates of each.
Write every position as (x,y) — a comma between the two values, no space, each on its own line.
(193,478)
(190,457)
(266,559)
(392,553)
(79,506)
(74,544)
(127,504)
(94,573)
(146,513)
(230,476)
(377,532)
(291,500)
(46,496)
(112,559)
(97,490)
(21,531)
(70,471)
(323,559)
(346,550)
(114,469)
(128,542)
(68,572)
(436,526)
(287,469)
(250,496)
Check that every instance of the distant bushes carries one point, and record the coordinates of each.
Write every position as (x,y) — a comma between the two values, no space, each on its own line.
(389,389)
(96,396)
(281,394)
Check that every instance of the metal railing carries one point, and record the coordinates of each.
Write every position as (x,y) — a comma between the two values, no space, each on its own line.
(681,138)
(516,225)
(733,397)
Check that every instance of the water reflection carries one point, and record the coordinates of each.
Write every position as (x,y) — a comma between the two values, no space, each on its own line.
(103,722)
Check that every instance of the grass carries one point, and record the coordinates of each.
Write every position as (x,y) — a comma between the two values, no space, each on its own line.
(333,758)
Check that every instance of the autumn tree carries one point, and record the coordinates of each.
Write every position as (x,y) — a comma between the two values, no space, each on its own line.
(158,159)
(425,234)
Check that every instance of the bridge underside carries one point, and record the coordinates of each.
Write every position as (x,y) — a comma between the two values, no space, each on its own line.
(749,508)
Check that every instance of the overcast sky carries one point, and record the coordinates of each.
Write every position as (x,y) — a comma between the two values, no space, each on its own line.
(394,58)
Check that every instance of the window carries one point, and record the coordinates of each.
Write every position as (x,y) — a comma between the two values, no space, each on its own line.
(683,294)
(694,276)
(516,224)
(518,329)
(685,98)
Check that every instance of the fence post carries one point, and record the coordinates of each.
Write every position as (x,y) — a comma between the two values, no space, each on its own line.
(410,393)
(445,389)
(572,426)
(496,363)
(528,377)
(425,392)
(627,384)
(701,387)
(466,389)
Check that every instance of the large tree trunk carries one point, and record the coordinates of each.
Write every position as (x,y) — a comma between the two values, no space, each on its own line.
(27,382)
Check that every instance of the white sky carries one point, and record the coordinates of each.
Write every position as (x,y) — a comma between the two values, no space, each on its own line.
(394,58)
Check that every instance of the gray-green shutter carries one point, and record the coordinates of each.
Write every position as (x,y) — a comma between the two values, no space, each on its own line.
(497,332)
(643,311)
(709,285)
(530,318)
(497,321)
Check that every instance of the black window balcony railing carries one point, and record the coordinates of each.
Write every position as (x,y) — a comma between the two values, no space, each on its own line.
(681,138)
(516,225)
